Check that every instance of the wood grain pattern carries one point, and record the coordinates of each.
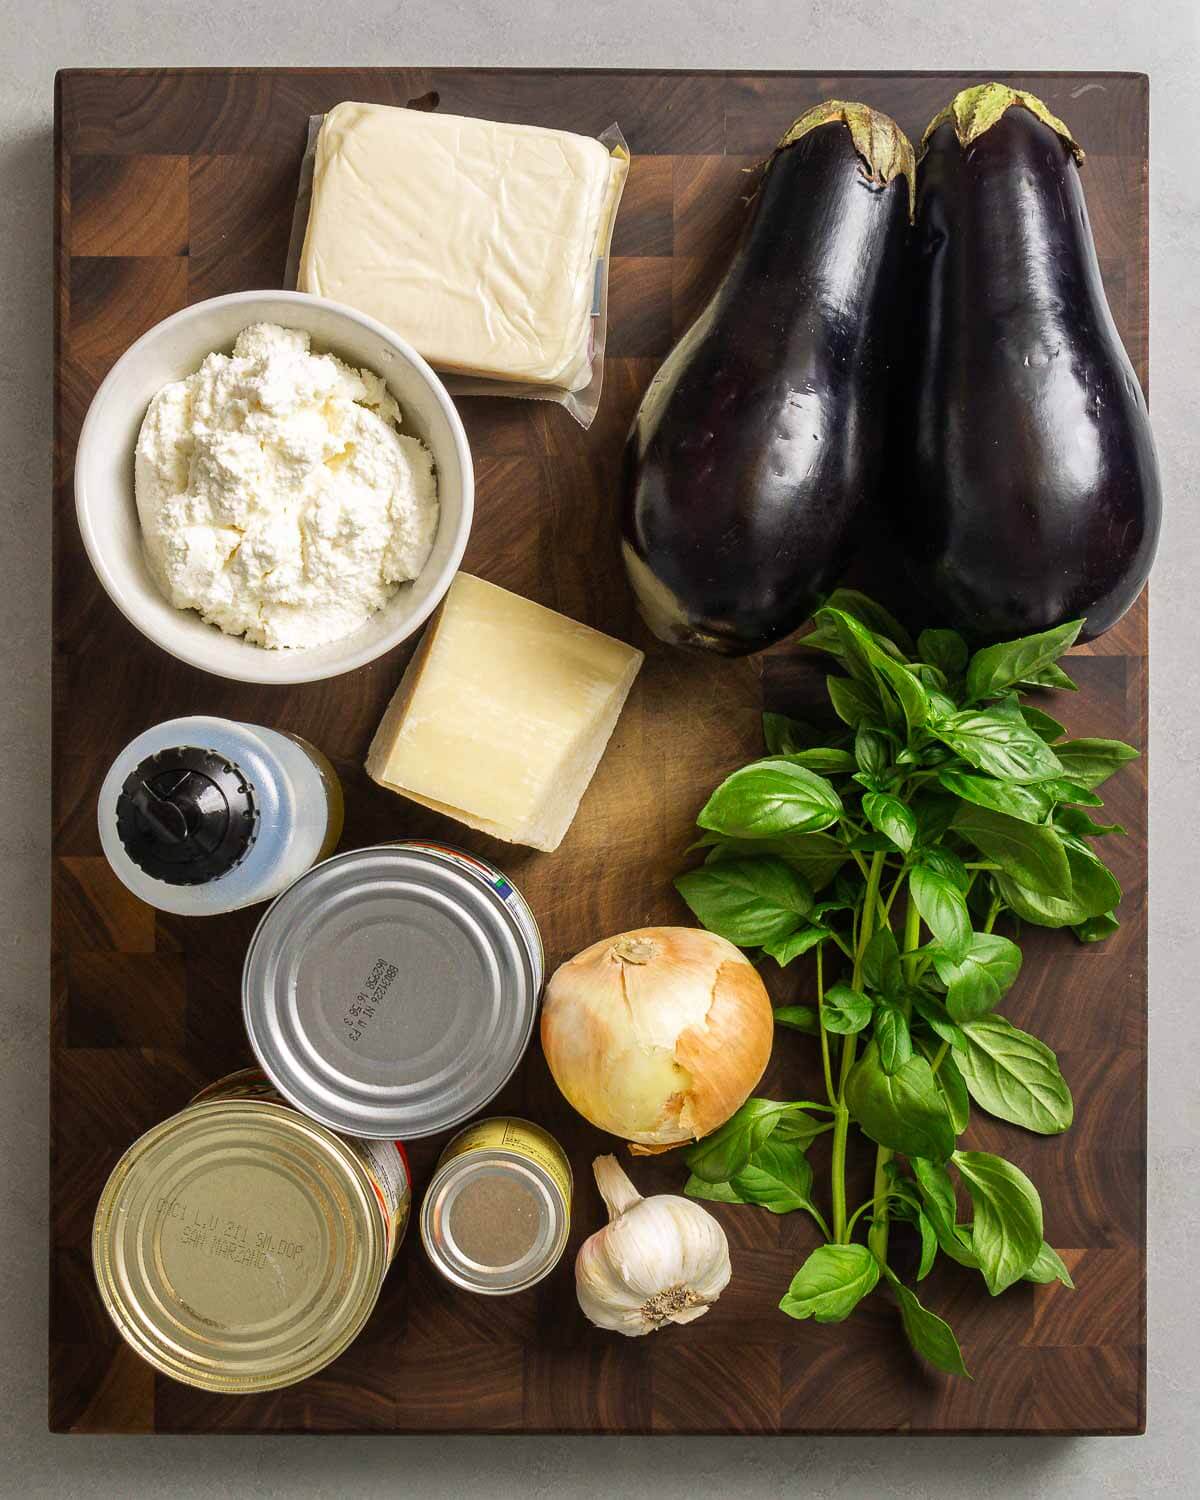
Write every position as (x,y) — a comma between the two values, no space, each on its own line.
(177,185)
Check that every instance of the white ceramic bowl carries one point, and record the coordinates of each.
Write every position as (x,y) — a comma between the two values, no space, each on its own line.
(107,511)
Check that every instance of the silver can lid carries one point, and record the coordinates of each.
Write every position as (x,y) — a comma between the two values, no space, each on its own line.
(494,1222)
(390,992)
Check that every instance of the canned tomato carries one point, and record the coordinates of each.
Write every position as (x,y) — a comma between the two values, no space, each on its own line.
(498,1211)
(392,991)
(239,1246)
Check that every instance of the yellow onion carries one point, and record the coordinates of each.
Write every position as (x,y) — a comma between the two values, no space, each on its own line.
(657,1035)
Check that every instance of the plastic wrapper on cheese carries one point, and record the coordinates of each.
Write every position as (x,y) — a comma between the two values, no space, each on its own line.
(484,244)
(503,714)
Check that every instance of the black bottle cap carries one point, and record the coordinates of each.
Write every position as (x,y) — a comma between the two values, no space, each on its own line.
(186,816)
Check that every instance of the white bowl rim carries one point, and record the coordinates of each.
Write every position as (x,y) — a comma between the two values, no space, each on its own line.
(292,659)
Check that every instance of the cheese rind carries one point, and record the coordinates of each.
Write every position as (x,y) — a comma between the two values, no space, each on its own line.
(503,714)
(475,240)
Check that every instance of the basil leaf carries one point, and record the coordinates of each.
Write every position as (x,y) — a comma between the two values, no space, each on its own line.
(1094,891)
(1096,929)
(929,1336)
(947,863)
(997,745)
(816,856)
(784,735)
(945,649)
(823,759)
(872,843)
(843,636)
(1006,1230)
(1034,856)
(854,702)
(800,1128)
(933,1013)
(872,750)
(784,949)
(1049,1266)
(771,797)
(1028,803)
(823,907)
(941,706)
(749,901)
(831,1283)
(777,1177)
(1042,724)
(895,683)
(1049,677)
(943,909)
(904,1189)
(1014,1076)
(934,814)
(954,1091)
(892,1037)
(1069,792)
(881,962)
(996,668)
(798,1018)
(1089,762)
(903,1110)
(712,1192)
(937,1189)
(845,1011)
(872,615)
(976,982)
(1075,821)
(1007,706)
(719,1157)
(929,1245)
(906,689)
(892,818)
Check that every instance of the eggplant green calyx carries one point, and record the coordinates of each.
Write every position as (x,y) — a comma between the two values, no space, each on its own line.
(886,152)
(975,110)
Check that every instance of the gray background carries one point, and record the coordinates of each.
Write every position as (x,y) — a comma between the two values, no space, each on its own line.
(1160,37)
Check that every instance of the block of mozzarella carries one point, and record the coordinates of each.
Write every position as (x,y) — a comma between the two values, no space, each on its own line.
(503,714)
(476,241)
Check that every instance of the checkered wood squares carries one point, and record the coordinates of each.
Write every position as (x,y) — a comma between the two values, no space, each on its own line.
(178,185)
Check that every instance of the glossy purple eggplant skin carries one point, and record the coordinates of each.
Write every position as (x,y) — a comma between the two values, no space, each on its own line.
(762,434)
(1030,491)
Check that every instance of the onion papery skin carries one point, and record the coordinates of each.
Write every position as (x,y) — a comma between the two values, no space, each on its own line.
(657,1035)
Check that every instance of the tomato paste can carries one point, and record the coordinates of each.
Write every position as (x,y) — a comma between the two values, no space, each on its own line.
(239,1246)
(392,991)
(498,1210)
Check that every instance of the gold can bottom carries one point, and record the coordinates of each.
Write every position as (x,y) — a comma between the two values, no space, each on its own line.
(239,1246)
(497,1214)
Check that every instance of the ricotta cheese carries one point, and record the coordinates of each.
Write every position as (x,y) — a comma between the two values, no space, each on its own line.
(276,495)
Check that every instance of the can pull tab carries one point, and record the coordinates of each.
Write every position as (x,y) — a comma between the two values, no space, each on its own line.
(187,816)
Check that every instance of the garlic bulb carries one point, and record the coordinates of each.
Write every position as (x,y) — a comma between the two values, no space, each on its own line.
(657,1035)
(658,1260)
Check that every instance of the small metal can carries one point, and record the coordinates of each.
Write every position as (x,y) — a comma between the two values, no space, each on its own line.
(392,991)
(239,1246)
(498,1211)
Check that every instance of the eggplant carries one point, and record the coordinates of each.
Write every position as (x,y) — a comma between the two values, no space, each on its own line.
(762,435)
(1028,490)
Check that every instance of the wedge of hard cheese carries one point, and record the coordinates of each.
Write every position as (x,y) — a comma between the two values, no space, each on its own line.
(503,714)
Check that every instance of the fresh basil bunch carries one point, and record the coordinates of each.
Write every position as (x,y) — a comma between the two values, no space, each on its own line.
(892,853)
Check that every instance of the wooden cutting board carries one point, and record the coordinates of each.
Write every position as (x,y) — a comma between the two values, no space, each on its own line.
(175,185)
